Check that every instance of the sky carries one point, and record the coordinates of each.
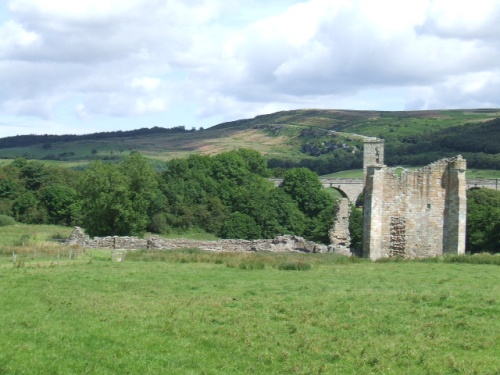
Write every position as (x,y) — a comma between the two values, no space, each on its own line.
(77,67)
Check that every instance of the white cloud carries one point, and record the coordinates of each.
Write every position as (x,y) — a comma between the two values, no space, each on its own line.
(74,9)
(463,19)
(147,84)
(232,59)
(13,34)
(151,105)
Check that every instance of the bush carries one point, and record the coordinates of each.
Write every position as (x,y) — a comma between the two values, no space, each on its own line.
(159,225)
(6,220)
(239,225)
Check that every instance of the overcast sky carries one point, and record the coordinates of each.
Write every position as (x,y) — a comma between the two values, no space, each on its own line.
(73,67)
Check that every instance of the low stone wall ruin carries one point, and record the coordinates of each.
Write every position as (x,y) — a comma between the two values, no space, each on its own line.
(285,243)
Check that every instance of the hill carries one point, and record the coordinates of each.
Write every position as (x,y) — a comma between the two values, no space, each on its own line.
(324,140)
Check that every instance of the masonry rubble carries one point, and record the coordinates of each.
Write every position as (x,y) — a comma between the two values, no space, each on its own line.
(286,243)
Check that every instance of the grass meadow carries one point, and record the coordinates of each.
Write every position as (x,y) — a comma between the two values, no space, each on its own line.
(194,312)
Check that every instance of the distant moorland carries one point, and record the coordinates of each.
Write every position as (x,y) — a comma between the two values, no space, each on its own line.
(326,141)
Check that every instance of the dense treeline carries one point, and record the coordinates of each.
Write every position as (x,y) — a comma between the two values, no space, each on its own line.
(338,160)
(478,143)
(35,193)
(228,195)
(47,139)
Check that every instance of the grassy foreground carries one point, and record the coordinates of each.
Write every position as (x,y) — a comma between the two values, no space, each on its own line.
(199,313)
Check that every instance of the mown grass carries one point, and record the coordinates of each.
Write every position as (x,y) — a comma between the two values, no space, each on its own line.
(201,316)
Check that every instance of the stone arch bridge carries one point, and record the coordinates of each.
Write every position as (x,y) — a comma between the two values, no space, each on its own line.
(351,188)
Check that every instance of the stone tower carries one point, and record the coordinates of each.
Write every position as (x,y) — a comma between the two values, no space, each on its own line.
(373,152)
(414,213)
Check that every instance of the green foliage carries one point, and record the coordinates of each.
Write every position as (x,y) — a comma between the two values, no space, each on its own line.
(305,188)
(61,202)
(318,226)
(117,199)
(239,225)
(158,224)
(227,195)
(32,174)
(483,221)
(229,167)
(9,188)
(6,220)
(106,204)
(255,162)
(26,209)
(273,210)
(356,230)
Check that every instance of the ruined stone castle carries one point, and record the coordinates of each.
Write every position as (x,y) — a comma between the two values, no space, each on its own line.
(417,213)
(406,214)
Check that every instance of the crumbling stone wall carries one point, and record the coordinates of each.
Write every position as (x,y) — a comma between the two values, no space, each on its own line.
(340,238)
(286,243)
(413,213)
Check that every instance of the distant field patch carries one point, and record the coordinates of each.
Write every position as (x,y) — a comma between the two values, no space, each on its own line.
(471,173)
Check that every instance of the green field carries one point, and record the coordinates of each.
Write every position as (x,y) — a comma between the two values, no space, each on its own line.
(200,313)
(471,173)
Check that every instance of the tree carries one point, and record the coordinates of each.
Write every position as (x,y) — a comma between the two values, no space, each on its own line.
(483,221)
(118,199)
(61,204)
(143,188)
(32,173)
(318,227)
(356,230)
(272,209)
(305,188)
(26,209)
(106,204)
(240,226)
(256,163)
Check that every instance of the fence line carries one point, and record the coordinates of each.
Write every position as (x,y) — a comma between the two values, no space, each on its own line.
(62,255)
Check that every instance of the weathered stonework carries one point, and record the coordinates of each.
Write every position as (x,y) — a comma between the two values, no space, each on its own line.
(279,244)
(340,238)
(413,213)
